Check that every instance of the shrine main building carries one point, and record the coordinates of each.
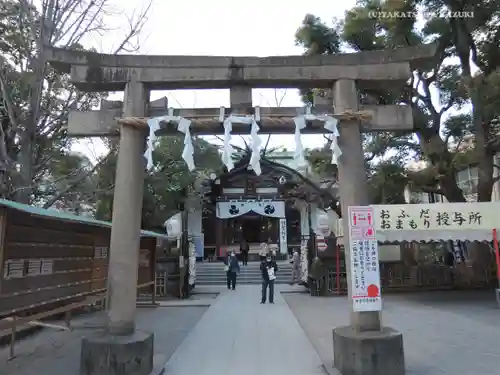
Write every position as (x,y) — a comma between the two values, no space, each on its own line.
(278,207)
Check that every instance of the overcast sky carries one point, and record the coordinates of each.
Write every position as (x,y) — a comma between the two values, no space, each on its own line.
(223,28)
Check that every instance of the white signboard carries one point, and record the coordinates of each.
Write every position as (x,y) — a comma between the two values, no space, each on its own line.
(283,237)
(100,252)
(438,216)
(47,266)
(13,269)
(365,272)
(34,267)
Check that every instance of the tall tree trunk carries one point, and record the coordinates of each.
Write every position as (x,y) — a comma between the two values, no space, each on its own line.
(481,254)
(24,193)
(483,150)
(28,135)
(435,149)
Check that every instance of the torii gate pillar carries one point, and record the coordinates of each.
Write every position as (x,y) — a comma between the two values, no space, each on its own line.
(364,347)
(123,349)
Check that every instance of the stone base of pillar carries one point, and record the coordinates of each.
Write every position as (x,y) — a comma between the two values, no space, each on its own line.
(368,353)
(118,355)
(497,292)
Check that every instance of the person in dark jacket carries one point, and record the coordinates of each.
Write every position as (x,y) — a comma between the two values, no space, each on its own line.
(244,249)
(268,268)
(232,270)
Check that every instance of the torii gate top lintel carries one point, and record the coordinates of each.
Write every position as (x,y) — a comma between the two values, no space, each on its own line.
(103,72)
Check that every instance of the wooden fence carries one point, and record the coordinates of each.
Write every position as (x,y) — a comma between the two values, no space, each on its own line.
(398,277)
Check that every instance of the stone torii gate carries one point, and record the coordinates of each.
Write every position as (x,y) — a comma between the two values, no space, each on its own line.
(370,348)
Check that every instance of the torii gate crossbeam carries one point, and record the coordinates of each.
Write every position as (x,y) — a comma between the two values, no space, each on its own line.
(205,121)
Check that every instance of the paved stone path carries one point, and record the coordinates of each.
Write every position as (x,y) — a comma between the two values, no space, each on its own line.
(444,333)
(238,335)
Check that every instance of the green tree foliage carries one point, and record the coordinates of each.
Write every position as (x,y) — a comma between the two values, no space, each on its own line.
(35,100)
(441,125)
(71,183)
(167,185)
(387,180)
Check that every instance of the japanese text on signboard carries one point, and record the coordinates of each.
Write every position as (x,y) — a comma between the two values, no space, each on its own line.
(430,216)
(365,273)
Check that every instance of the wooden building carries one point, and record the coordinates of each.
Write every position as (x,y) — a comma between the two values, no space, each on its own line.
(274,207)
(49,258)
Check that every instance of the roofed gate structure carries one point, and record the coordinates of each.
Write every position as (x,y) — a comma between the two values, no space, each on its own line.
(344,74)
(278,208)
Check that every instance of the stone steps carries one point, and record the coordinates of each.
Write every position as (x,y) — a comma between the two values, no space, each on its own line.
(213,273)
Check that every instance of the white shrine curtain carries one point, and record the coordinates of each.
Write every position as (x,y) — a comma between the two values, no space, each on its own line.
(235,208)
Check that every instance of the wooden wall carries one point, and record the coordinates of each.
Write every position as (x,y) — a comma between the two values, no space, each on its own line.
(48,262)
(147,262)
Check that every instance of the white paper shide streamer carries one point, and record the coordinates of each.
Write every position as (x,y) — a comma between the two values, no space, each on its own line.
(300,123)
(256,143)
(227,153)
(188,151)
(227,150)
(183,125)
(330,125)
(154,125)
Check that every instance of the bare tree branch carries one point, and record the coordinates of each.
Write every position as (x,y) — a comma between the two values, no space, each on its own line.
(277,100)
(135,27)
(42,98)
(267,144)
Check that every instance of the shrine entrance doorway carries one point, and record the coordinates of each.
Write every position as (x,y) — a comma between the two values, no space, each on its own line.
(254,229)
(257,229)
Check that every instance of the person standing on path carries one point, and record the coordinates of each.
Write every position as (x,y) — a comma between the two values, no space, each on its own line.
(268,268)
(244,249)
(295,266)
(232,269)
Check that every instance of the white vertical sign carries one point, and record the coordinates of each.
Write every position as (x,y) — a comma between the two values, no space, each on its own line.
(365,271)
(283,237)
(47,267)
